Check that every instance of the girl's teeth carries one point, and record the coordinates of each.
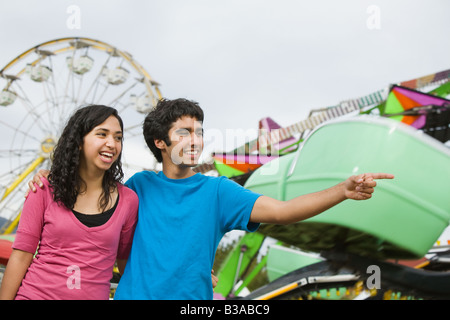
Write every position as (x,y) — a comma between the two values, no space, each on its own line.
(109,155)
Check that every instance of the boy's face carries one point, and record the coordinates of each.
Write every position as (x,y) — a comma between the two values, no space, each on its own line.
(186,136)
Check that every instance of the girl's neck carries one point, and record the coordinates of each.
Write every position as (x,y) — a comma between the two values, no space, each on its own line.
(93,180)
(88,199)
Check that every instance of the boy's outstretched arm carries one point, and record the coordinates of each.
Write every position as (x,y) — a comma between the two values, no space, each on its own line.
(269,210)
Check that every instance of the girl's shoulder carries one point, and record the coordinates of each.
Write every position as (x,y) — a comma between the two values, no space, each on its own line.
(126,192)
(41,196)
(45,189)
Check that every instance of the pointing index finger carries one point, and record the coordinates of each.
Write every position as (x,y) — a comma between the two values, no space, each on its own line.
(381,175)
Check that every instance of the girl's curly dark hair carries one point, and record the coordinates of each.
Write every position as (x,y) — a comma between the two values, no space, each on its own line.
(64,176)
(159,121)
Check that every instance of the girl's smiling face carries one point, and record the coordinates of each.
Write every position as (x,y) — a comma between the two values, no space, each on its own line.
(102,145)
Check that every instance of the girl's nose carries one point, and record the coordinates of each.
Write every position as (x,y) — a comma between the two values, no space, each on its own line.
(110,142)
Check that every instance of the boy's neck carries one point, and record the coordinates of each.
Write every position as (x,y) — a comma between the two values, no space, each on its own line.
(173,171)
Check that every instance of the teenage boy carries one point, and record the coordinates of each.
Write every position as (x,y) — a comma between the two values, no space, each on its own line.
(183,215)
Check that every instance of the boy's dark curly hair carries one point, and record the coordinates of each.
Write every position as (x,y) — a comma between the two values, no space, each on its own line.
(64,176)
(159,121)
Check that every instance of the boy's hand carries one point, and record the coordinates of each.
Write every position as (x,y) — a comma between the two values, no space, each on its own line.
(214,279)
(362,186)
(43,173)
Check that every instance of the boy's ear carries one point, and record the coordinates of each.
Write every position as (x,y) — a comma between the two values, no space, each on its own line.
(160,144)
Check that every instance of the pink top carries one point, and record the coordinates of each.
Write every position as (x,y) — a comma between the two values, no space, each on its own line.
(74,261)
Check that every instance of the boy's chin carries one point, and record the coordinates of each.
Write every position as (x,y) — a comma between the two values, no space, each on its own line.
(190,164)
(186,163)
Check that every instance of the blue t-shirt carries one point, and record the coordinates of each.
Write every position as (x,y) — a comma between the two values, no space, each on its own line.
(180,224)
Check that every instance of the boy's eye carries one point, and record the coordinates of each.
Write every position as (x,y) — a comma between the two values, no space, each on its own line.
(183,132)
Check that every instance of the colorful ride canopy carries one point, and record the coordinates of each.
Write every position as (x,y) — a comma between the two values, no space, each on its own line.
(231,165)
(235,164)
(404,104)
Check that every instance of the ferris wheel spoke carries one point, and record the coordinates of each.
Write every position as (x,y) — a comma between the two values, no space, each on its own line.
(41,124)
(23,174)
(30,108)
(121,95)
(95,86)
(50,101)
(16,170)
(96,79)
(102,94)
(80,86)
(59,109)
(17,153)
(17,130)
(66,90)
(52,84)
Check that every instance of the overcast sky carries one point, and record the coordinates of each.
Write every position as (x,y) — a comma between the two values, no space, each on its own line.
(244,60)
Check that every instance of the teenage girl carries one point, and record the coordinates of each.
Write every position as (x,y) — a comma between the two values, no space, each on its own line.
(73,229)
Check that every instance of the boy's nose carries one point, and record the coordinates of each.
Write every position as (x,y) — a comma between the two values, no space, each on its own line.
(196,140)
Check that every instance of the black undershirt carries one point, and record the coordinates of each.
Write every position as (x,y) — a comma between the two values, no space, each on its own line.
(95,220)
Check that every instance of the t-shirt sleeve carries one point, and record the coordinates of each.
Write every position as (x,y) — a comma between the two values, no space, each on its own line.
(236,205)
(31,221)
(130,183)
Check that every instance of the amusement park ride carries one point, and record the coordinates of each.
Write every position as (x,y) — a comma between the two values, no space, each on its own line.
(394,246)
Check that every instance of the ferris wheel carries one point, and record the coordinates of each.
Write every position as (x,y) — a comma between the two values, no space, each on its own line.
(43,86)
